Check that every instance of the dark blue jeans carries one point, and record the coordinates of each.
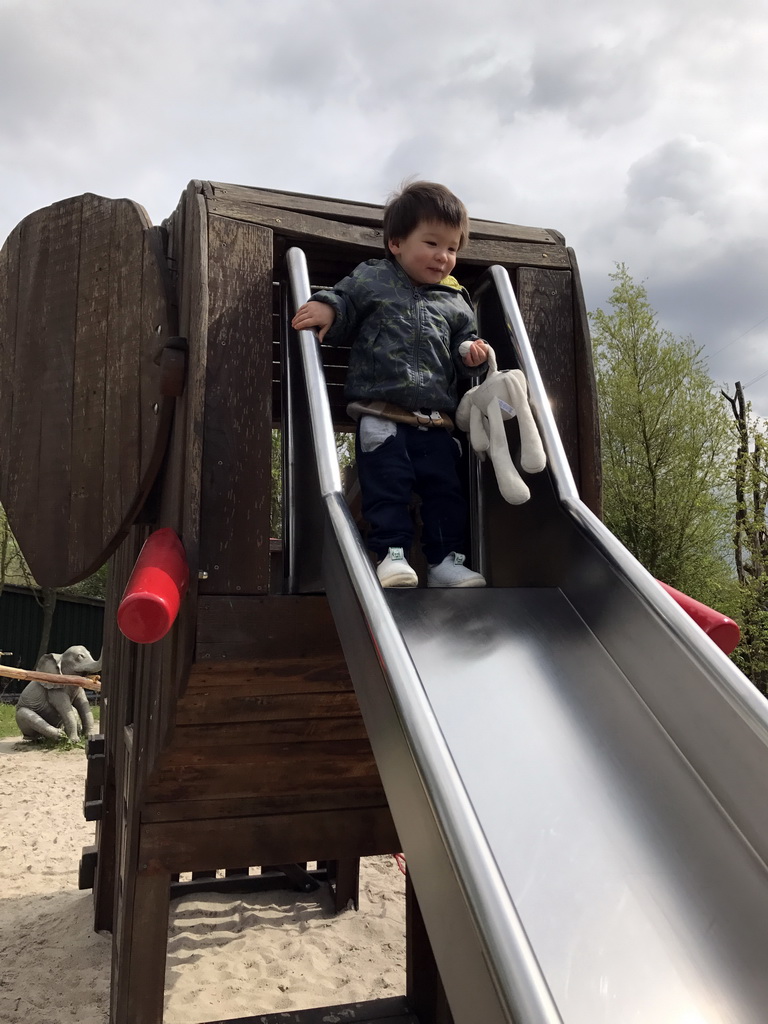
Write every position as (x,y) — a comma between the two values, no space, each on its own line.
(424,461)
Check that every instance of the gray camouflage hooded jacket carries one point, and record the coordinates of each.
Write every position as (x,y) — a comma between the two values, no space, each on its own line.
(405,337)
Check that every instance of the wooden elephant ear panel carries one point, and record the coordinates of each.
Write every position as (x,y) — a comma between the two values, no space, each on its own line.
(85,309)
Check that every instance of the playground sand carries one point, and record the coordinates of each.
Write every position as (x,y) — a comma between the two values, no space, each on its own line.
(228,956)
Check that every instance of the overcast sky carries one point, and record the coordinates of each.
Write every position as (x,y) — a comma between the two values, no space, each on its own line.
(638,130)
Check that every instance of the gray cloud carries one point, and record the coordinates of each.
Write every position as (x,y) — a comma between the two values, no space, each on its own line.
(683,176)
(637,131)
(596,87)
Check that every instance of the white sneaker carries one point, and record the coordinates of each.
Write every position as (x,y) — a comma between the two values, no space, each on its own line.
(394,571)
(452,572)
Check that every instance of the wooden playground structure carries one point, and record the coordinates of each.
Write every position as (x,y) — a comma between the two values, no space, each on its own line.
(147,371)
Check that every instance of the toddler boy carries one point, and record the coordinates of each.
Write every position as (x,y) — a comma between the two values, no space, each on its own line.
(414,334)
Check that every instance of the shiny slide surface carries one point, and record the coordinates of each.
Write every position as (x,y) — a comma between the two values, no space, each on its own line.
(576,773)
(640,899)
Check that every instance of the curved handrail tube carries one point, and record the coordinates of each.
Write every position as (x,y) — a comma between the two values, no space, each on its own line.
(496,278)
(742,696)
(517,973)
(723,674)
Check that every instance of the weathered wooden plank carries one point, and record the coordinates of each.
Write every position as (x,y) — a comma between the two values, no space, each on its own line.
(38,506)
(127,842)
(586,399)
(338,209)
(298,225)
(280,675)
(290,730)
(264,804)
(157,686)
(303,227)
(512,254)
(159,322)
(271,749)
(285,780)
(246,628)
(144,945)
(180,503)
(294,684)
(122,423)
(178,646)
(77,410)
(546,304)
(236,474)
(57,381)
(239,704)
(278,839)
(116,710)
(10,463)
(194,301)
(90,373)
(368,213)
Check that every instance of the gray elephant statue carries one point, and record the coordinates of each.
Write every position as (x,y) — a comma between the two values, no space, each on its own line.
(50,710)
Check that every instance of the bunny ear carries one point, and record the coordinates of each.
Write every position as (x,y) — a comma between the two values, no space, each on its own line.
(492,365)
(511,485)
(532,456)
(478,436)
(463,411)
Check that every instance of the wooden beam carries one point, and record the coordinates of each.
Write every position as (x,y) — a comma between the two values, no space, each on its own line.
(86,682)
(271,768)
(240,704)
(303,227)
(591,482)
(298,225)
(369,213)
(260,806)
(245,628)
(546,305)
(236,478)
(323,673)
(293,730)
(278,839)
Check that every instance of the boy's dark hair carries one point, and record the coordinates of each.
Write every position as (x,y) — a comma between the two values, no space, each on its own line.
(423,201)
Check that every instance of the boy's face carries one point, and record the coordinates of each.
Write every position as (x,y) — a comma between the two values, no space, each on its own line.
(429,253)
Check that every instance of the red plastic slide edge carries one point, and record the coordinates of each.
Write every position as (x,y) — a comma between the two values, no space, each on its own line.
(718,627)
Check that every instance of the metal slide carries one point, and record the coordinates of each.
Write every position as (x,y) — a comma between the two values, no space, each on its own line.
(577,774)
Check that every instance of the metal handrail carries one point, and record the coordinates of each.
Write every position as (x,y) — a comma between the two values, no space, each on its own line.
(728,680)
(518,977)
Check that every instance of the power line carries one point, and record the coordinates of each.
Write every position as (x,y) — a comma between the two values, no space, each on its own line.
(756,379)
(728,345)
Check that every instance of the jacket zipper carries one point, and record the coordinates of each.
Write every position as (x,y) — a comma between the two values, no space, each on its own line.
(417,362)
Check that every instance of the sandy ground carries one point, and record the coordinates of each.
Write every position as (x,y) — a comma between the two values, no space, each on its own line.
(228,956)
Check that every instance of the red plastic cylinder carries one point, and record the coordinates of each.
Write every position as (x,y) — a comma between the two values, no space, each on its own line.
(718,627)
(153,594)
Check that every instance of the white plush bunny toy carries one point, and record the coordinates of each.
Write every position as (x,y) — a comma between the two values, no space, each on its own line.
(482,412)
